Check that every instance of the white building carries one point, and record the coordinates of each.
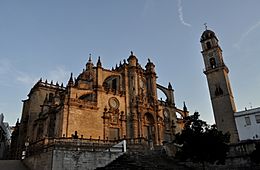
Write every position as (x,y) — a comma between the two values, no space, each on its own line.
(248,124)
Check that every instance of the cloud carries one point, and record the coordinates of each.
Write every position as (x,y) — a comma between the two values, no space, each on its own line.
(9,72)
(245,34)
(25,78)
(149,5)
(3,104)
(6,72)
(5,66)
(59,74)
(181,14)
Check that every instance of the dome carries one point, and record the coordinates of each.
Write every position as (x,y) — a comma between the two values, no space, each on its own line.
(132,56)
(132,60)
(207,34)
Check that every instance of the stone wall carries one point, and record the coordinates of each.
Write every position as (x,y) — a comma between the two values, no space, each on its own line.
(70,159)
(41,161)
(81,160)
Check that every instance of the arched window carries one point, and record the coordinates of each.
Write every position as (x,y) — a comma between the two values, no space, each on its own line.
(212,62)
(112,83)
(208,45)
(218,91)
(50,97)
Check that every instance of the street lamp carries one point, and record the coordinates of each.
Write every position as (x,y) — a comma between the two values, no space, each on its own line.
(24,153)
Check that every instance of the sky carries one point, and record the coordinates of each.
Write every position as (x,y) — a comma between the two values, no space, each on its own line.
(50,39)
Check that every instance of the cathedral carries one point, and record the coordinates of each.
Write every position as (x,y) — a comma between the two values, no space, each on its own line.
(105,104)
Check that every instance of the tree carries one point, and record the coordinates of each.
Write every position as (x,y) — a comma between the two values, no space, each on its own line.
(201,143)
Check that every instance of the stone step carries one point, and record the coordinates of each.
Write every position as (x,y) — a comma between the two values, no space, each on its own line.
(152,160)
(12,165)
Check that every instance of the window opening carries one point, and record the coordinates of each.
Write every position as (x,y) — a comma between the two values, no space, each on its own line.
(248,121)
(257,118)
(208,45)
(212,62)
(114,84)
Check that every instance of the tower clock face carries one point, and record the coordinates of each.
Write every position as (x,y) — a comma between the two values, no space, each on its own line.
(113,103)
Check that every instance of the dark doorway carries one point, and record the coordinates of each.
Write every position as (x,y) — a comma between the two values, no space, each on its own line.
(149,128)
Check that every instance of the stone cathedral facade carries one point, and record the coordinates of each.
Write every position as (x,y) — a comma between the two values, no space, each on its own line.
(102,104)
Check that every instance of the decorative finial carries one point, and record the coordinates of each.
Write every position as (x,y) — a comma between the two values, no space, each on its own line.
(71,75)
(99,62)
(71,80)
(169,86)
(89,59)
(206,27)
(132,53)
(149,60)
(185,107)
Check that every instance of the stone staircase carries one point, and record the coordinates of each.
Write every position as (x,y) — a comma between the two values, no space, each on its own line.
(12,165)
(144,160)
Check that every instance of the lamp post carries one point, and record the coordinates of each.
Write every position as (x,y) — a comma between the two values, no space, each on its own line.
(26,144)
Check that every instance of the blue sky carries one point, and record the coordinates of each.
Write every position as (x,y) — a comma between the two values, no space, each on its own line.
(50,39)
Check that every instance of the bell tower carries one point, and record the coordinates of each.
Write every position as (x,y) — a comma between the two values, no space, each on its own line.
(219,85)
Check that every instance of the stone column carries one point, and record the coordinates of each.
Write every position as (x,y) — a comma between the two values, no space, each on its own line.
(105,124)
(135,125)
(156,133)
(123,124)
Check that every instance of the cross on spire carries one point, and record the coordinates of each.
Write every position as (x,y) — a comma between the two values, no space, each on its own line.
(206,27)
